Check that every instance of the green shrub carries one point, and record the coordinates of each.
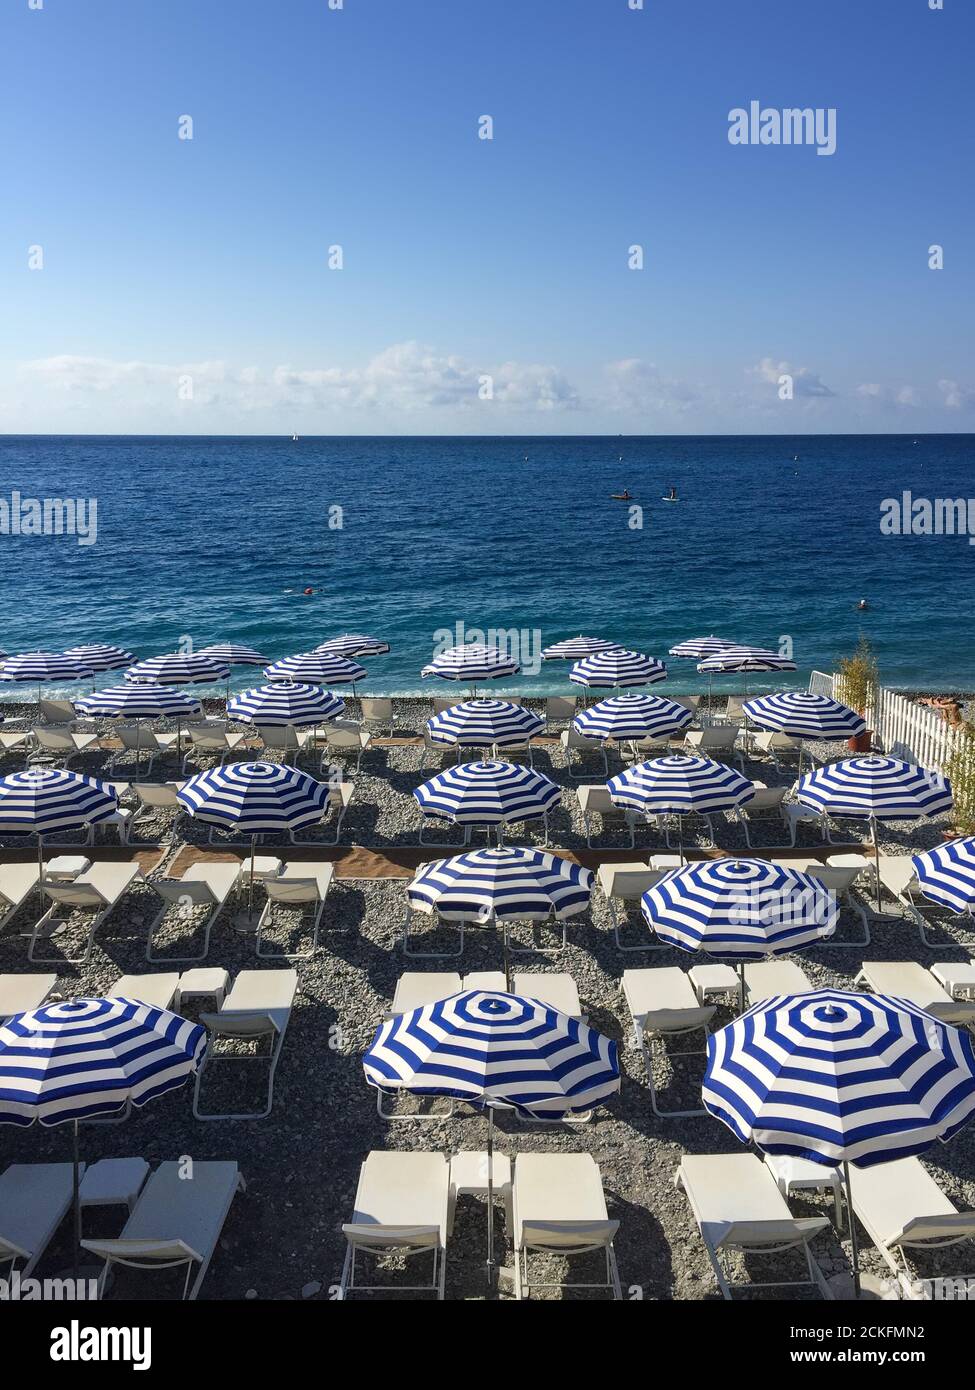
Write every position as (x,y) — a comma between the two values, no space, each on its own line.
(960,771)
(859,677)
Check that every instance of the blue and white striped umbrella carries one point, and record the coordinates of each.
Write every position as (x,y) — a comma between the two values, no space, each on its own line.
(471,662)
(577,648)
(40,800)
(354,644)
(138,702)
(745,659)
(740,909)
(282,703)
(800,714)
(316,668)
(85,1057)
(509,882)
(488,1048)
(947,874)
(487,793)
(255,798)
(836,1077)
(233,654)
(632,716)
(484,723)
(99,656)
(178,668)
(698,648)
(680,785)
(41,668)
(618,667)
(875,788)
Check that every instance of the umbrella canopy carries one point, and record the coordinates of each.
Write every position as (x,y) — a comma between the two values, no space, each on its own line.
(484,723)
(232,654)
(681,785)
(577,648)
(740,909)
(745,659)
(947,874)
(44,799)
(317,668)
(139,702)
(98,656)
(632,716)
(495,1048)
(875,788)
(40,668)
(525,884)
(285,703)
(487,793)
(471,662)
(617,667)
(255,798)
(178,668)
(700,647)
(832,1077)
(800,714)
(354,644)
(85,1057)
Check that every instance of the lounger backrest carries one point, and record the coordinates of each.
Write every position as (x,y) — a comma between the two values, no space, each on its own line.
(392,1237)
(278,736)
(151,1252)
(765,798)
(292,890)
(156,794)
(631,884)
(376,708)
(567,1235)
(572,738)
(958,1226)
(744,1235)
(177,890)
(677,1020)
(75,894)
(896,872)
(54,738)
(240,1025)
(344,738)
(560,707)
(57,711)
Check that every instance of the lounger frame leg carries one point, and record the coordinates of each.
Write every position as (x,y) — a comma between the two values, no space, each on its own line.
(348,1285)
(211,1056)
(49,916)
(644,1042)
(156,923)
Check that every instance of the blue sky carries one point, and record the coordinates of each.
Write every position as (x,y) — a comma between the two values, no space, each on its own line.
(200,266)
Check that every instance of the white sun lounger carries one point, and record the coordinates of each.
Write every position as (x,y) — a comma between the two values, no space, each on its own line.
(773,745)
(161,991)
(258,1006)
(141,741)
(766,804)
(898,877)
(906,979)
(415,988)
(345,738)
(201,885)
(300,884)
(713,742)
(559,1208)
(559,991)
(98,890)
(766,978)
(574,742)
(17,882)
(663,1003)
(401,1206)
(339,800)
(208,738)
(595,800)
(901,1207)
(284,738)
(377,713)
(21,994)
(176,1221)
(156,796)
(627,883)
(60,741)
(738,1207)
(34,1199)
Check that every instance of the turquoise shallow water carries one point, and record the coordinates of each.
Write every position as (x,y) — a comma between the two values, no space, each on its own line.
(214,539)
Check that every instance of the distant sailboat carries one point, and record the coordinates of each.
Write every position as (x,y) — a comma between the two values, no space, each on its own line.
(294,439)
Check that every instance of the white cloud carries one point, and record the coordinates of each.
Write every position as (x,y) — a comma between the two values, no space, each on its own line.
(635,385)
(894,397)
(805,381)
(957,397)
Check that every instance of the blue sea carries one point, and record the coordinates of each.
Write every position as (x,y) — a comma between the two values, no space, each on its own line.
(774,541)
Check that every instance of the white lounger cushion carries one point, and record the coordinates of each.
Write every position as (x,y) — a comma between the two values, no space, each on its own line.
(414,988)
(34,1198)
(901,1202)
(906,979)
(17,882)
(20,994)
(628,881)
(175,1216)
(664,1000)
(267,993)
(736,1201)
(558,1201)
(766,978)
(559,991)
(402,1199)
(301,882)
(157,990)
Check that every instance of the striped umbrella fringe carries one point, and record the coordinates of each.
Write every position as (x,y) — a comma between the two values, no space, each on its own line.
(487,793)
(255,798)
(632,716)
(483,723)
(285,703)
(232,654)
(836,1077)
(876,788)
(947,874)
(99,656)
(41,667)
(618,667)
(354,644)
(138,702)
(745,659)
(741,909)
(178,668)
(577,648)
(681,785)
(85,1057)
(317,668)
(41,800)
(700,647)
(471,662)
(510,882)
(487,1048)
(800,714)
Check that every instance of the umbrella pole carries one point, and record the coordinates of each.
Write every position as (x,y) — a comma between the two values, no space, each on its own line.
(855,1261)
(250,893)
(507,956)
(490,1194)
(40,855)
(76,1198)
(741,987)
(876,858)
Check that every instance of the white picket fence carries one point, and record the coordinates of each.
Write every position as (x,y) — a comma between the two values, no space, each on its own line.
(900,727)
